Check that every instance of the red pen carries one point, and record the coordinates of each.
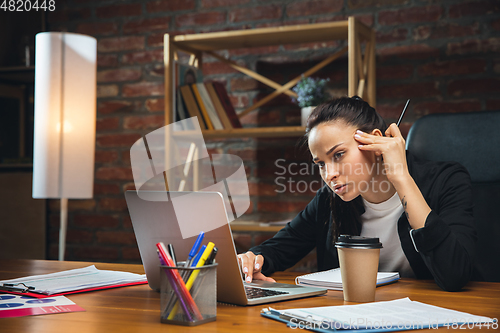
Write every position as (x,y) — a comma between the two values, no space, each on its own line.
(178,281)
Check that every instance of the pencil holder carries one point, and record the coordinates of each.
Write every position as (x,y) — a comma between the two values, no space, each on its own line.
(193,303)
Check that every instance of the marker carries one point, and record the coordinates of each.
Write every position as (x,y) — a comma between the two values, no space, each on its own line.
(403,113)
(172,253)
(175,287)
(211,259)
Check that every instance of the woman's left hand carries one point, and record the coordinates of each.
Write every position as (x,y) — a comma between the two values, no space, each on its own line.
(391,147)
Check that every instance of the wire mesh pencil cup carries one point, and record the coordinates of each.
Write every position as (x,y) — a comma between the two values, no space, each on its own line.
(203,292)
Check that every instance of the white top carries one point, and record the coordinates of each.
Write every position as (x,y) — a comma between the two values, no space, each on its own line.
(381,221)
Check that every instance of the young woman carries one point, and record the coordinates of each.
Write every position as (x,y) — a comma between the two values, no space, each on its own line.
(420,210)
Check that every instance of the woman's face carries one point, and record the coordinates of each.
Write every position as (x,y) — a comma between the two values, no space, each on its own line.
(348,171)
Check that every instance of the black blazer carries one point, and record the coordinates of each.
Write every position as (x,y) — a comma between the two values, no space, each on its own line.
(446,244)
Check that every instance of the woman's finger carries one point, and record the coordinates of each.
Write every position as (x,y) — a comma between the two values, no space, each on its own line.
(393,131)
(259,261)
(247,264)
(260,276)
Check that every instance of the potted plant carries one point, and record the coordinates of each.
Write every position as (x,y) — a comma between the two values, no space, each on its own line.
(310,93)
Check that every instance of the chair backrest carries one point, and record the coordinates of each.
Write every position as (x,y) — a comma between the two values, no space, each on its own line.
(473,140)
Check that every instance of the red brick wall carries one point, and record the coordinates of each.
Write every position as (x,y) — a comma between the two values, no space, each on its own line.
(444,55)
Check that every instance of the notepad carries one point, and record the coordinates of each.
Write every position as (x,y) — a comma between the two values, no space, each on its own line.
(75,280)
(400,314)
(332,279)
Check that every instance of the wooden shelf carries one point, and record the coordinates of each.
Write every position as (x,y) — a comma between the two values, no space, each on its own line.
(227,40)
(361,69)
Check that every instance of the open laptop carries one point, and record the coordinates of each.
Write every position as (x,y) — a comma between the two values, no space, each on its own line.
(155,217)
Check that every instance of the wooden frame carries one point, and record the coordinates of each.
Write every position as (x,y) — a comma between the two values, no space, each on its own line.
(361,68)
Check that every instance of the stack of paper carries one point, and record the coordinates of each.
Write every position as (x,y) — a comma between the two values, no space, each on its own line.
(401,314)
(81,279)
(19,306)
(332,279)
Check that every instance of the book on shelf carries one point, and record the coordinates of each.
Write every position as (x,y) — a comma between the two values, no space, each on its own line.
(209,105)
(181,107)
(192,105)
(183,75)
(212,112)
(221,112)
(201,105)
(332,279)
(226,103)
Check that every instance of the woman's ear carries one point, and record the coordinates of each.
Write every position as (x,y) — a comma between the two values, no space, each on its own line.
(377,132)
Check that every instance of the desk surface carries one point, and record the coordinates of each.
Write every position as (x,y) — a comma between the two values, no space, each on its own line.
(137,309)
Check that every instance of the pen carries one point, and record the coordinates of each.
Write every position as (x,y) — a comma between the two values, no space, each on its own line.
(192,253)
(194,275)
(194,249)
(172,253)
(178,284)
(198,256)
(403,113)
(211,259)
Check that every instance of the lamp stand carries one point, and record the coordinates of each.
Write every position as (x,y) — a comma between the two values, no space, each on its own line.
(63,227)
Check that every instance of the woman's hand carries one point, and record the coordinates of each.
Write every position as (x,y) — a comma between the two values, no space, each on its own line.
(251,266)
(391,147)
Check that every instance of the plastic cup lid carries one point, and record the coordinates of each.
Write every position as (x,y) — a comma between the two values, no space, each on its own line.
(347,241)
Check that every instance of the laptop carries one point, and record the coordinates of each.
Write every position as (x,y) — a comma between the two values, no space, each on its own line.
(155,218)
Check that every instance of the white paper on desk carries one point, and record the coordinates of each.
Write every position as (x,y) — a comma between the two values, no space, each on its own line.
(77,279)
(402,313)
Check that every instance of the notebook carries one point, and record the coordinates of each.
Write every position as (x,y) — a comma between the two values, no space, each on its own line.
(155,218)
(332,279)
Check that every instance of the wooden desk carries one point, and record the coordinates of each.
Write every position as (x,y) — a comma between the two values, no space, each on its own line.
(137,309)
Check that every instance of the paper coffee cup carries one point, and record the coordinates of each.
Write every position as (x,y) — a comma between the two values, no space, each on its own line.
(358,258)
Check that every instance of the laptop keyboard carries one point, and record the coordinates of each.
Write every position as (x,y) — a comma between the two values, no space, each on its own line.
(253,292)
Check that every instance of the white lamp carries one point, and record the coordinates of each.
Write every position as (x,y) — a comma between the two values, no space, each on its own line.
(65,120)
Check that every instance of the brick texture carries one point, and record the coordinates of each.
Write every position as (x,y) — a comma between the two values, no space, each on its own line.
(255,13)
(443,55)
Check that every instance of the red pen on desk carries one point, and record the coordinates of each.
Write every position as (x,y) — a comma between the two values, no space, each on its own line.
(178,281)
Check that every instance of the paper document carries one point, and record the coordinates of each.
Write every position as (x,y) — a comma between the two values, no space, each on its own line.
(332,279)
(19,306)
(76,279)
(399,314)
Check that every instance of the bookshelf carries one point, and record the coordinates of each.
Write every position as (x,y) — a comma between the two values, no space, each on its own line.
(361,63)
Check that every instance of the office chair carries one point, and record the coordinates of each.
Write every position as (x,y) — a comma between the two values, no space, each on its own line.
(473,140)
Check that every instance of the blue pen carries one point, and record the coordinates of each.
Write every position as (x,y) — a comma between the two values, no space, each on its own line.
(198,256)
(194,249)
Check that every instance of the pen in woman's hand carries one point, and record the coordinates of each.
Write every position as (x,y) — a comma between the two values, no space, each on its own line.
(403,113)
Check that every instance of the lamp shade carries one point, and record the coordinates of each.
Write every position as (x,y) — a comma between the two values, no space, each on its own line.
(65,115)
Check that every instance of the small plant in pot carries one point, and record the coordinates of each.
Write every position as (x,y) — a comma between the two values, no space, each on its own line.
(310,93)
